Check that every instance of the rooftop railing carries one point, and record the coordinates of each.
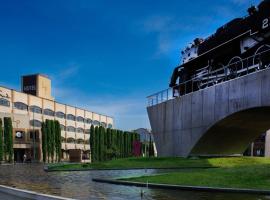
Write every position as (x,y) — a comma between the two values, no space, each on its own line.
(206,77)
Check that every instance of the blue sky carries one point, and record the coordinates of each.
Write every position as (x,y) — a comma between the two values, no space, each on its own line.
(105,56)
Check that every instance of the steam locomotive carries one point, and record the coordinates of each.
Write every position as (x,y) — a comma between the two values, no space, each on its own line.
(228,47)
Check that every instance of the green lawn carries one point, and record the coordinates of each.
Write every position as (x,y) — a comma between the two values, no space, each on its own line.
(241,172)
(127,163)
(230,172)
(165,162)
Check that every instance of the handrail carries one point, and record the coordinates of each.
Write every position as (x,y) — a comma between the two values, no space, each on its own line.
(231,71)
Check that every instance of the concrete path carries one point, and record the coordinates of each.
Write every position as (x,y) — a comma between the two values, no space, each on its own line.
(10,197)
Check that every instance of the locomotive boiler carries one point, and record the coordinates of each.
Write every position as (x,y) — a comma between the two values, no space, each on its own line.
(242,41)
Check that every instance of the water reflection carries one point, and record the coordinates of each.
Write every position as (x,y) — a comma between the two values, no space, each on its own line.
(79,185)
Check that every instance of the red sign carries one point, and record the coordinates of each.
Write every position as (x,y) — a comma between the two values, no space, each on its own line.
(136,148)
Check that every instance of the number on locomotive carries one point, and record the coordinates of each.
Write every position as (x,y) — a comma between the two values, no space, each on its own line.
(265,23)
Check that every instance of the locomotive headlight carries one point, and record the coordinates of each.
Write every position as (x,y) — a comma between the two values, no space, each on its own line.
(265,23)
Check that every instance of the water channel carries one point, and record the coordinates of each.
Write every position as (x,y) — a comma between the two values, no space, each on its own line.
(79,185)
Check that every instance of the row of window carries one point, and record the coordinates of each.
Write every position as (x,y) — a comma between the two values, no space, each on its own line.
(49,112)
(74,141)
(38,124)
(73,129)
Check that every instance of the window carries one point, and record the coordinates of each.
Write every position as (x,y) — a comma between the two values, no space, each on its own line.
(71,117)
(48,112)
(71,129)
(36,134)
(63,139)
(63,128)
(80,119)
(87,131)
(35,109)
(80,130)
(4,102)
(35,123)
(86,142)
(103,124)
(109,125)
(60,115)
(88,121)
(80,141)
(20,106)
(71,140)
(96,123)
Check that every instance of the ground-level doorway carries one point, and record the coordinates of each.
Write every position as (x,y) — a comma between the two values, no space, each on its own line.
(19,155)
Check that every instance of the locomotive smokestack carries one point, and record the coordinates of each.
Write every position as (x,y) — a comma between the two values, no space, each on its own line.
(252,10)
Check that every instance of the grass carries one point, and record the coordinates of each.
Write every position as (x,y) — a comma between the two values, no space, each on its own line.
(127,163)
(241,172)
(230,172)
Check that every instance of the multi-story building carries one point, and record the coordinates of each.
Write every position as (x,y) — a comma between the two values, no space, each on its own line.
(29,108)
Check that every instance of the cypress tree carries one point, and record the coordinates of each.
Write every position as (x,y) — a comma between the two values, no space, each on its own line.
(44,141)
(92,143)
(125,144)
(101,145)
(52,140)
(105,143)
(109,136)
(8,139)
(97,143)
(49,142)
(57,140)
(1,140)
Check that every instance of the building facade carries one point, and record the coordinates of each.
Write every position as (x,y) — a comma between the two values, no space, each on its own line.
(29,108)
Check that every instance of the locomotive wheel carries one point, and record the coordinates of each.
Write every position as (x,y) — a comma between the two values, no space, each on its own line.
(234,65)
(261,57)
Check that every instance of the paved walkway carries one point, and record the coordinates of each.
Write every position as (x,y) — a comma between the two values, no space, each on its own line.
(10,197)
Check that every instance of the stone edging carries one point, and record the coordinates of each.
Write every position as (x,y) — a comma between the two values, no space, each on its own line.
(181,187)
(29,194)
(89,169)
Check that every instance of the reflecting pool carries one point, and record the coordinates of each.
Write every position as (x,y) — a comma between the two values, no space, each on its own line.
(79,185)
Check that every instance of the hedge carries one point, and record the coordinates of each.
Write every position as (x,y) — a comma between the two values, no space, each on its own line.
(107,144)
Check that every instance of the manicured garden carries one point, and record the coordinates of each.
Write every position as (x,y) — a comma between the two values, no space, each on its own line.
(128,163)
(230,172)
(240,172)
(164,162)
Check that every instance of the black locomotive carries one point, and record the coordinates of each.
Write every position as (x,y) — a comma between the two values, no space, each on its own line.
(228,47)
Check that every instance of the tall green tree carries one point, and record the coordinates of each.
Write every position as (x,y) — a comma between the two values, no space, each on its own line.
(101,145)
(92,142)
(57,139)
(97,143)
(44,141)
(1,140)
(52,140)
(49,138)
(8,138)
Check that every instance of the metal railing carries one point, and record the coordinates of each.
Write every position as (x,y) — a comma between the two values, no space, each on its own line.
(236,67)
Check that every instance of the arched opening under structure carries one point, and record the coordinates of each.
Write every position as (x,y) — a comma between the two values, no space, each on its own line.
(234,133)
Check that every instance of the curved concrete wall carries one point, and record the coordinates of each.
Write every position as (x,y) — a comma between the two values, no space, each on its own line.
(195,122)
